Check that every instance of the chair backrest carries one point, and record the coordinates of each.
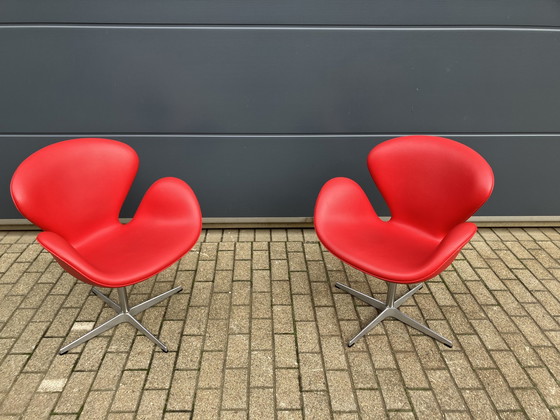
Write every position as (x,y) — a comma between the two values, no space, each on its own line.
(75,187)
(431,183)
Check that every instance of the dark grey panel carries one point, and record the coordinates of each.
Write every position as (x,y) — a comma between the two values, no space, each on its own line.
(281,176)
(338,12)
(250,80)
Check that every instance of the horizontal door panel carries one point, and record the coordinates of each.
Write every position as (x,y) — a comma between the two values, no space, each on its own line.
(281,176)
(347,12)
(277,80)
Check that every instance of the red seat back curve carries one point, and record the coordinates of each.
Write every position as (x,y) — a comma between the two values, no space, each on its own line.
(102,172)
(430,183)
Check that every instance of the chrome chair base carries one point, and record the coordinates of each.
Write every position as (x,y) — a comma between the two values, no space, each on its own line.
(124,314)
(390,309)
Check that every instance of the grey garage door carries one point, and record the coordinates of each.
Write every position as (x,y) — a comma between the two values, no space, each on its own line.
(257,103)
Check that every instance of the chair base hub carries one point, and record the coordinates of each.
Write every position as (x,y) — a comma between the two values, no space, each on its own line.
(390,309)
(124,314)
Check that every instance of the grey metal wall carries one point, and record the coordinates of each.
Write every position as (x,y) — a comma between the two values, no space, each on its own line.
(257,103)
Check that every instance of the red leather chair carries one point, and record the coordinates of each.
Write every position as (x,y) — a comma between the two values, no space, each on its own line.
(432,185)
(74,190)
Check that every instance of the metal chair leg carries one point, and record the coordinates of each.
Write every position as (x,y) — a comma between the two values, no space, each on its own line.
(364,298)
(120,318)
(384,314)
(147,333)
(106,299)
(153,301)
(124,314)
(422,328)
(407,295)
(390,309)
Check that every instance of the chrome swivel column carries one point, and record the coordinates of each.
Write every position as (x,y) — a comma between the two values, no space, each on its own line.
(390,309)
(124,314)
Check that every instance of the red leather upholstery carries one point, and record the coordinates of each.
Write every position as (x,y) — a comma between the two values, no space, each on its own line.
(74,191)
(432,185)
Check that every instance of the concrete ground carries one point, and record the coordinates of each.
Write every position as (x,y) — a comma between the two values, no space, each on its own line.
(260,332)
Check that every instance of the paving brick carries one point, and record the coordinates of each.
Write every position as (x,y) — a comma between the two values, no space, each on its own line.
(316,405)
(182,391)
(246,235)
(262,369)
(241,293)
(261,403)
(283,322)
(287,389)
(261,334)
(479,404)
(445,390)
(152,404)
(428,352)
(303,308)
(206,404)
(475,351)
(235,389)
(242,270)
(461,370)
(411,370)
(281,293)
(299,282)
(285,352)
(425,404)
(239,322)
(326,321)
(129,391)
(211,369)
(296,261)
(197,318)
(223,281)
(75,392)
(237,351)
(307,337)
(97,405)
(393,390)
(161,370)
(261,281)
(110,371)
(216,334)
(312,372)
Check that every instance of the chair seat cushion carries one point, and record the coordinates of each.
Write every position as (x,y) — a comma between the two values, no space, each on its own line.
(122,255)
(387,250)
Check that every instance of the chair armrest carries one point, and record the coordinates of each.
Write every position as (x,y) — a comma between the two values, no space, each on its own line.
(343,201)
(68,257)
(170,200)
(452,244)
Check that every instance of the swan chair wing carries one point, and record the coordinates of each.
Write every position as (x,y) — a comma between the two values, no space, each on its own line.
(432,185)
(74,191)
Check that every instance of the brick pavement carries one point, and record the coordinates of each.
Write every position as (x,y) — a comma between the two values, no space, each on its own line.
(260,332)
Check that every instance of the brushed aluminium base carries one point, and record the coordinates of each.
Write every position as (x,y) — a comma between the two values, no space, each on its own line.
(390,309)
(124,314)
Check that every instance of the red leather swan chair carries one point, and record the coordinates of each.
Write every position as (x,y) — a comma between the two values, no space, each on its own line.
(74,190)
(432,185)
